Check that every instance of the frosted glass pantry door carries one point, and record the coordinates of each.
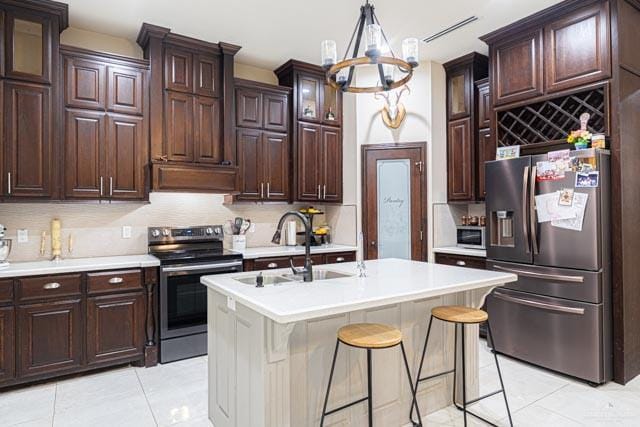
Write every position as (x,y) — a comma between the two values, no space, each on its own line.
(394,208)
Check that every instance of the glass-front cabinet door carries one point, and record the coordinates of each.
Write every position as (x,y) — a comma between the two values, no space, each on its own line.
(28,47)
(309,107)
(331,105)
(459,93)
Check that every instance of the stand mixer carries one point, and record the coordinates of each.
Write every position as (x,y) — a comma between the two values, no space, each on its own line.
(5,248)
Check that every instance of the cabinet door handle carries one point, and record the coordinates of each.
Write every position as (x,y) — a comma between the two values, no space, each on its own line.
(268,190)
(110,186)
(101,186)
(262,190)
(52,285)
(340,259)
(272,265)
(116,280)
(9,182)
(324,191)
(461,263)
(318,191)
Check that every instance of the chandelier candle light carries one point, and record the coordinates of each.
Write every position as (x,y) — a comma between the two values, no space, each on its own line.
(378,52)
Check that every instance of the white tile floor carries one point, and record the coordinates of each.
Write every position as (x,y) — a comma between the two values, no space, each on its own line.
(176,394)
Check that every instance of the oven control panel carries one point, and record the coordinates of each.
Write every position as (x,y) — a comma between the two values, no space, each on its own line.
(182,234)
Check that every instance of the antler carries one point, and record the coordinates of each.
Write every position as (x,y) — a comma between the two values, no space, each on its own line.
(377,95)
(399,94)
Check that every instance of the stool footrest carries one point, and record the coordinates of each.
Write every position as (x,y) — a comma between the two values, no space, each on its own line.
(430,377)
(484,397)
(346,406)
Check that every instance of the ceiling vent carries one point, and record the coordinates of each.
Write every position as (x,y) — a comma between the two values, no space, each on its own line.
(450,29)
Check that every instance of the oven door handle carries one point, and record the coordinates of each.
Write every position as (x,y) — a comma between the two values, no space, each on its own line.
(202,267)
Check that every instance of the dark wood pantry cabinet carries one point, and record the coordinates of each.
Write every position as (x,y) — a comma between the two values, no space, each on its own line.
(192,142)
(60,324)
(467,111)
(105,139)
(262,136)
(316,121)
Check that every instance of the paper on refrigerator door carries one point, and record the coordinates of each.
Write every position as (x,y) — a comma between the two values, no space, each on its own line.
(548,208)
(579,206)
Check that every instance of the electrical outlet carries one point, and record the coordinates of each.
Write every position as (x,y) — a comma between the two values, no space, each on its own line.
(23,235)
(126,231)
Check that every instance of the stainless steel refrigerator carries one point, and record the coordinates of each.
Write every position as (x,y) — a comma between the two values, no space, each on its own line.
(558,314)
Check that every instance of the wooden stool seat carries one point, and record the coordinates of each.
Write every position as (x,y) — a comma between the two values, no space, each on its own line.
(370,335)
(459,314)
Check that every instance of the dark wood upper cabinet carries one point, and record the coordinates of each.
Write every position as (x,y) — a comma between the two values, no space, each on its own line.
(29,39)
(577,48)
(84,145)
(460,160)
(249,108)
(207,75)
(308,162)
(84,83)
(179,126)
(459,84)
(7,343)
(125,90)
(275,112)
(331,158)
(49,337)
(251,161)
(178,70)
(486,153)
(207,130)
(115,327)
(484,103)
(517,68)
(28,142)
(275,155)
(126,157)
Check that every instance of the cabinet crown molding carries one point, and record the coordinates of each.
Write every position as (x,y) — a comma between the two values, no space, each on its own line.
(148,31)
(298,65)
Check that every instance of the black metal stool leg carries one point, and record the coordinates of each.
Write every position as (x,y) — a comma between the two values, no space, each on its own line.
(413,390)
(495,356)
(455,361)
(326,397)
(414,403)
(369,388)
(464,376)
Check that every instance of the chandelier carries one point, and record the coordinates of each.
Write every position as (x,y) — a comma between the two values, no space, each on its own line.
(340,75)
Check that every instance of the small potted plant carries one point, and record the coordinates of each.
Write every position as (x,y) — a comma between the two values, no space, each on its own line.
(580,139)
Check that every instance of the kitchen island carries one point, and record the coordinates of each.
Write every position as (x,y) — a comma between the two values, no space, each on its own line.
(270,348)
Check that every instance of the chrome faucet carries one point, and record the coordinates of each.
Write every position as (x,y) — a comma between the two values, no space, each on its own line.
(306,271)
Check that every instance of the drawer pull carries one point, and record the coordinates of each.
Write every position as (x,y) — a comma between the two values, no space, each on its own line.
(461,263)
(116,280)
(52,285)
(340,259)
(272,265)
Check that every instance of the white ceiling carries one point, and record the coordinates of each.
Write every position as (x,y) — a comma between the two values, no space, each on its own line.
(273,31)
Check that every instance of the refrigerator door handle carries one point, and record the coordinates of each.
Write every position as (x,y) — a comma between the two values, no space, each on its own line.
(525,226)
(558,277)
(541,305)
(532,209)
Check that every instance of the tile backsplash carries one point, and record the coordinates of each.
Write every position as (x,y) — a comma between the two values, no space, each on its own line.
(96,229)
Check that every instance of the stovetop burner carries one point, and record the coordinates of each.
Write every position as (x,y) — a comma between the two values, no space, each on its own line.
(188,244)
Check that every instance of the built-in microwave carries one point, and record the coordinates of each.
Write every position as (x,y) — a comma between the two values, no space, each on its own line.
(471,236)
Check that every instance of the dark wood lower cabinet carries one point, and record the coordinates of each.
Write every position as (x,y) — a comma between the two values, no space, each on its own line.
(49,337)
(273,263)
(462,261)
(115,327)
(7,343)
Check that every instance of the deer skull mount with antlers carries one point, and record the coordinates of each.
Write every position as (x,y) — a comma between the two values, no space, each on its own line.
(393,112)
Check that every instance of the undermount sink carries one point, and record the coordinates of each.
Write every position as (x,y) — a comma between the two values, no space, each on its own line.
(266,280)
(319,275)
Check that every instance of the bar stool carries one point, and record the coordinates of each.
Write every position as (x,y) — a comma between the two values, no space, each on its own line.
(460,316)
(369,336)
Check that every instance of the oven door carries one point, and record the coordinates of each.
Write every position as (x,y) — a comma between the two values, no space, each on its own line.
(183,299)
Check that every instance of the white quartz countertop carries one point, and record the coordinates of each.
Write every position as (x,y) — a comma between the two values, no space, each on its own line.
(36,268)
(455,250)
(388,281)
(277,251)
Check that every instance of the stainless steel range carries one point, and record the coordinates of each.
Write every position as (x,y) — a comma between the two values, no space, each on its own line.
(185,254)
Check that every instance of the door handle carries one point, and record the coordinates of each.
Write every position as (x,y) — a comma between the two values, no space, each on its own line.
(541,305)
(533,274)
(268,190)
(525,228)
(262,190)
(101,186)
(532,209)
(319,192)
(116,280)
(324,190)
(9,182)
(110,186)
(52,285)
(461,263)
(373,243)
